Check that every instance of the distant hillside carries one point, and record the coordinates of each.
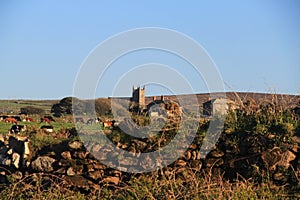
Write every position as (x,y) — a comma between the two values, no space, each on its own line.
(13,106)
(282,99)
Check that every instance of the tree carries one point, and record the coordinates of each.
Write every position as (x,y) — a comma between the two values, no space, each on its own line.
(63,107)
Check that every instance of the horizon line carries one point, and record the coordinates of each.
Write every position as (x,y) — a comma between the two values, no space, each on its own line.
(59,98)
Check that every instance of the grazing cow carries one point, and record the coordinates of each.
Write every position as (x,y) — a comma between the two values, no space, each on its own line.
(28,119)
(20,146)
(50,118)
(79,120)
(18,129)
(10,120)
(48,129)
(98,120)
(3,117)
(18,118)
(115,123)
(46,120)
(107,124)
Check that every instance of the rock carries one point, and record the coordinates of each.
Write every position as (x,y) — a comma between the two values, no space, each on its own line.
(75,170)
(16,160)
(214,162)
(17,175)
(296,139)
(80,154)
(75,145)
(71,172)
(188,155)
(116,173)
(6,161)
(180,170)
(99,166)
(9,152)
(140,144)
(132,150)
(43,164)
(196,164)
(148,163)
(65,163)
(61,171)
(107,132)
(123,169)
(216,154)
(194,155)
(90,168)
(180,163)
(95,148)
(95,175)
(275,157)
(286,158)
(280,177)
(66,155)
(193,146)
(129,161)
(114,180)
(271,157)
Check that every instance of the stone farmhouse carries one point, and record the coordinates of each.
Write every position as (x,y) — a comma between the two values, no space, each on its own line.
(219,105)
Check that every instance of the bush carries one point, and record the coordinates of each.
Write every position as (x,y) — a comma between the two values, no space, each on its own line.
(30,110)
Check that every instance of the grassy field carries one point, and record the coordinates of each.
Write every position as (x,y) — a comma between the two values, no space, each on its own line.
(13,106)
(4,128)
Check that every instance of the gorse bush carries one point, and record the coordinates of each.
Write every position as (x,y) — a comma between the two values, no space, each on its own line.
(264,119)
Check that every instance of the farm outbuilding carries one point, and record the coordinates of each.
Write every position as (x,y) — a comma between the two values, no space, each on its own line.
(215,106)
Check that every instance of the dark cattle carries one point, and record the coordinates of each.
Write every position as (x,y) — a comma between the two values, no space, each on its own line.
(18,128)
(98,120)
(79,120)
(50,118)
(46,120)
(48,128)
(18,118)
(3,117)
(115,123)
(19,146)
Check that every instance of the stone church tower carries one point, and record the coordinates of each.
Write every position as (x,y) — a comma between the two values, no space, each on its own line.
(138,96)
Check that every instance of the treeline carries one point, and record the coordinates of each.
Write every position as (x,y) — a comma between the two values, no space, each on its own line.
(65,107)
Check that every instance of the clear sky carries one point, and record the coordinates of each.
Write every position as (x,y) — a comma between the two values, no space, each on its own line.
(255,44)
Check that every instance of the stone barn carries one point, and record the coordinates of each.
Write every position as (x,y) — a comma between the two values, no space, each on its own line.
(214,106)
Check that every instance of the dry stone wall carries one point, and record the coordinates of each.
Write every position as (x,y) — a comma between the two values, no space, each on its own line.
(247,155)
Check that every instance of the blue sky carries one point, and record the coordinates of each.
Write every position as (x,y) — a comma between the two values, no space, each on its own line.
(255,44)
